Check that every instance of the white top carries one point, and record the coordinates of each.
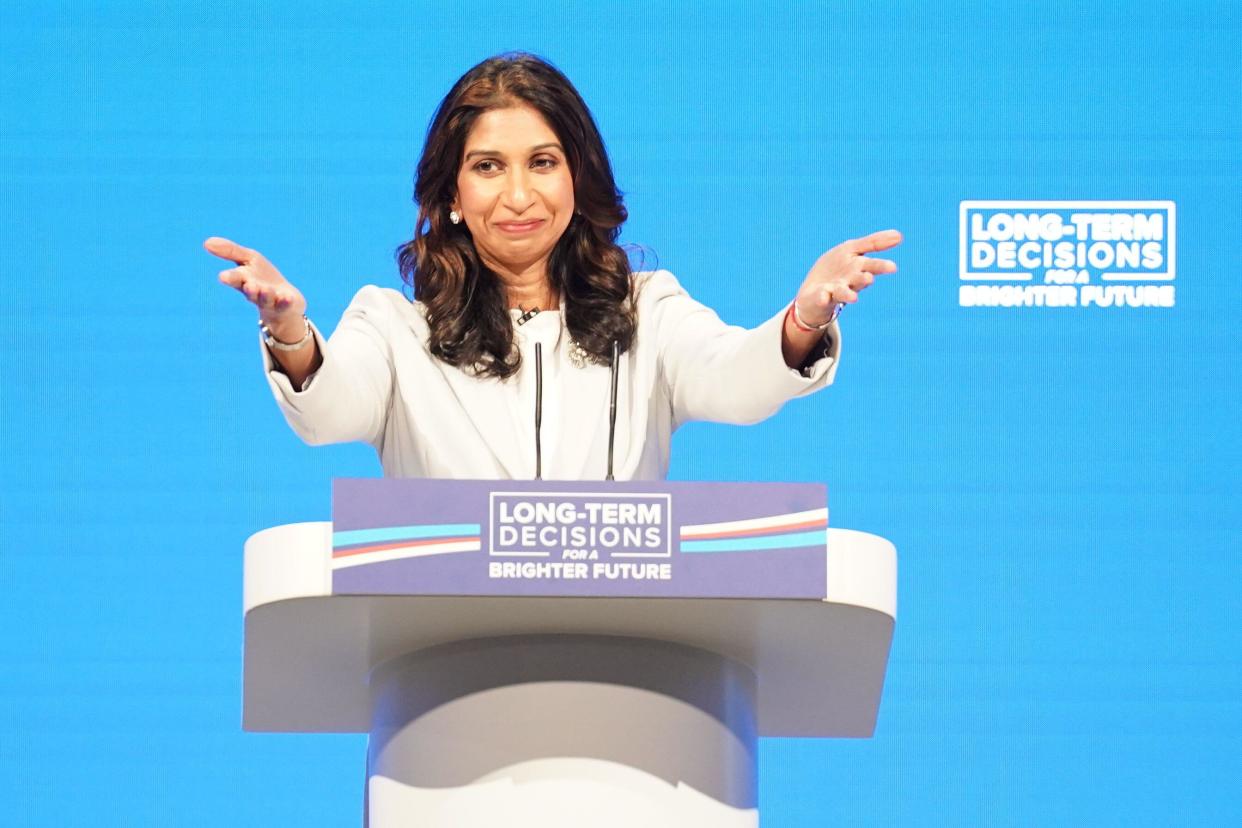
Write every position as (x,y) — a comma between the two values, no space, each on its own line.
(380,384)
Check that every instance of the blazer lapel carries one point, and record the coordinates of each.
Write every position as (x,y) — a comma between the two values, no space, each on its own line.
(483,408)
(478,402)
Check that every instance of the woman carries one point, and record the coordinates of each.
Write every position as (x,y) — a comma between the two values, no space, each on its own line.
(522,296)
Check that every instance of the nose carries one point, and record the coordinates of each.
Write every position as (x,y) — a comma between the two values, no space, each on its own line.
(518,195)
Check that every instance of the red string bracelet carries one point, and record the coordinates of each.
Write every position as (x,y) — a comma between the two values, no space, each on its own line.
(789,314)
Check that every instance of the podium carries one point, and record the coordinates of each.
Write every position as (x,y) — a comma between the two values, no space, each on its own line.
(506,680)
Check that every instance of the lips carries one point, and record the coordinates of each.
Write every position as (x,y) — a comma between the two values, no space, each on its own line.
(519,227)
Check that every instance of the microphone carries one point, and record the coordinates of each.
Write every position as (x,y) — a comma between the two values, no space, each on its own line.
(538,408)
(612,408)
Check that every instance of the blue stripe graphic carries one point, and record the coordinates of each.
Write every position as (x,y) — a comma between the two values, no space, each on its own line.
(393,533)
(817,537)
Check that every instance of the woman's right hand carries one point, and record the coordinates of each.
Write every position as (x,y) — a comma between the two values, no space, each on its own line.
(281,305)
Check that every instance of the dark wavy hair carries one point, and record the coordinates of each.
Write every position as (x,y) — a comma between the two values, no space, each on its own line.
(464,299)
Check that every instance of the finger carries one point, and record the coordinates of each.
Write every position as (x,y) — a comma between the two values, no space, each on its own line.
(276,298)
(256,293)
(843,293)
(232,277)
(270,298)
(862,280)
(230,250)
(877,265)
(818,302)
(882,240)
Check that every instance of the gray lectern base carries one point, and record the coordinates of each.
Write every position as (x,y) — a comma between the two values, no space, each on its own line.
(515,730)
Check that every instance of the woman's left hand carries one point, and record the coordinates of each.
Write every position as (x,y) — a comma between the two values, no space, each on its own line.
(841,274)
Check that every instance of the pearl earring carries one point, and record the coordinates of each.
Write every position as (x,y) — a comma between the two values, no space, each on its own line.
(455,217)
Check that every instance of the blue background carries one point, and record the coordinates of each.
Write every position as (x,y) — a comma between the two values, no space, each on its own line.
(1061,483)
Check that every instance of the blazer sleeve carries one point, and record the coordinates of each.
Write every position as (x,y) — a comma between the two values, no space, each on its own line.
(347,398)
(725,373)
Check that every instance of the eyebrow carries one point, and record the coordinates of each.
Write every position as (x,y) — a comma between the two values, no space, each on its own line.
(497,152)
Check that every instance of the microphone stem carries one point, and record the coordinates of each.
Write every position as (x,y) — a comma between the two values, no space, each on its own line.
(538,409)
(612,408)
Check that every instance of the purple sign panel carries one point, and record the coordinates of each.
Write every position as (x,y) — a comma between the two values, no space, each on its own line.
(571,538)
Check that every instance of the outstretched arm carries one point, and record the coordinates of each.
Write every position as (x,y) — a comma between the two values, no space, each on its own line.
(836,278)
(281,305)
(332,391)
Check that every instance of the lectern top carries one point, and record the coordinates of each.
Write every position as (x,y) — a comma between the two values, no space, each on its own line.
(309,653)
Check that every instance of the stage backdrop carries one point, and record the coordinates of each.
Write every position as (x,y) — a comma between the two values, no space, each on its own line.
(1040,409)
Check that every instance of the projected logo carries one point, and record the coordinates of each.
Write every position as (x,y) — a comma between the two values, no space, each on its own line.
(1096,254)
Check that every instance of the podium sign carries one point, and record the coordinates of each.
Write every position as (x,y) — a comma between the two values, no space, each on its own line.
(573,538)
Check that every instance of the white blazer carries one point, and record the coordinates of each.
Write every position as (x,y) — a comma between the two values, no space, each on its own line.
(425,418)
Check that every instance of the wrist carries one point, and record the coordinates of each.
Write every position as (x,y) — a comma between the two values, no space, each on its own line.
(287,334)
(810,326)
(287,327)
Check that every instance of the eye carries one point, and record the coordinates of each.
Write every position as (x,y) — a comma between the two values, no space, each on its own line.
(487,165)
(544,162)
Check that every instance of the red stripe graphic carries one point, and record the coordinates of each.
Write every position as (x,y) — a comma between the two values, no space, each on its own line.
(818,523)
(380,547)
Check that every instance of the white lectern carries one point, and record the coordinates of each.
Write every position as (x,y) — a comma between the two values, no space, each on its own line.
(525,710)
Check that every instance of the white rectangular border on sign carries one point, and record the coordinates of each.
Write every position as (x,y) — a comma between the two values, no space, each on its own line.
(1171,234)
(668,522)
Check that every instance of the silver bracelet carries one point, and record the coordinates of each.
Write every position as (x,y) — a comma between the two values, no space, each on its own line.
(832,317)
(276,345)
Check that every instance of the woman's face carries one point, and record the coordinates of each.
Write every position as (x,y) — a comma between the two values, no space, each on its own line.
(514,189)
